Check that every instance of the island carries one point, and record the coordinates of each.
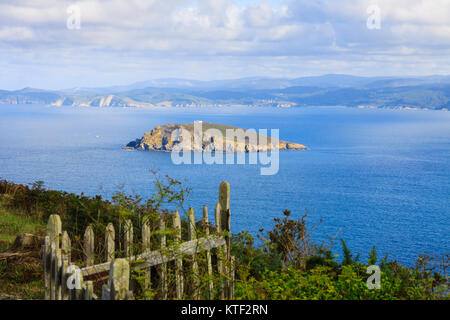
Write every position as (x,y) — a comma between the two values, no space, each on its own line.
(210,137)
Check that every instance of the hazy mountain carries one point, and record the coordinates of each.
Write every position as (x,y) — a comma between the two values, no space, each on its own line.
(431,92)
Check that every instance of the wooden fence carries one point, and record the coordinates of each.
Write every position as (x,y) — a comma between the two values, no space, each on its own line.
(63,280)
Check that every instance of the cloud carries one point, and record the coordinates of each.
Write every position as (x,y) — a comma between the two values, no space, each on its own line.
(229,31)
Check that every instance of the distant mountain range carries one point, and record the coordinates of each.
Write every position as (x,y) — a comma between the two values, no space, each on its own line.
(432,92)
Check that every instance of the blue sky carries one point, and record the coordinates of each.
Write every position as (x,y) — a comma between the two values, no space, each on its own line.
(124,41)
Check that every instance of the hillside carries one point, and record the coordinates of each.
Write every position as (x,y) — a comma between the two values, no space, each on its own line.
(385,92)
(288,265)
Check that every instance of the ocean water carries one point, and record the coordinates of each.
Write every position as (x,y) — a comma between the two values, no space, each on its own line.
(380,177)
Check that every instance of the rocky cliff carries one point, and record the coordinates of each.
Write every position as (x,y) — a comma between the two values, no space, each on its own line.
(207,137)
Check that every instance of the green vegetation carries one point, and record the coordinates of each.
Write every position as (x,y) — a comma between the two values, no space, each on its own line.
(291,266)
(12,223)
(288,264)
(21,277)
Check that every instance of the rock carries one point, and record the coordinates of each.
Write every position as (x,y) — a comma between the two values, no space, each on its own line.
(27,241)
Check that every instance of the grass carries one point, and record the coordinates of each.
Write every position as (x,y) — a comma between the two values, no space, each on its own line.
(13,223)
(21,278)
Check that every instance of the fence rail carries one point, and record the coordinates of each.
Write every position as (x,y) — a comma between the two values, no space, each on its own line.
(64,280)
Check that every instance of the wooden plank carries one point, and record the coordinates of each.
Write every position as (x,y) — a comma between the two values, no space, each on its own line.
(106,292)
(192,235)
(217,218)
(179,260)
(228,255)
(110,242)
(46,260)
(225,223)
(232,276)
(64,277)
(128,241)
(66,250)
(52,272)
(57,280)
(54,229)
(146,246)
(79,288)
(187,248)
(155,258)
(224,200)
(220,251)
(89,246)
(119,279)
(208,254)
(163,267)
(146,235)
(89,290)
(66,245)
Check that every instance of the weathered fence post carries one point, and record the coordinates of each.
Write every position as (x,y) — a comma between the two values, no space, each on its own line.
(54,229)
(58,273)
(232,276)
(220,251)
(66,248)
(163,267)
(66,245)
(119,279)
(110,242)
(146,243)
(225,223)
(89,246)
(128,245)
(192,235)
(58,269)
(46,260)
(65,294)
(89,291)
(106,292)
(208,254)
(179,259)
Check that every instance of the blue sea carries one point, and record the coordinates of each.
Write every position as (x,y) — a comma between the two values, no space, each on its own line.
(379,177)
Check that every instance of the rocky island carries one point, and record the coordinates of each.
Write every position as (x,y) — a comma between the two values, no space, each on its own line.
(208,137)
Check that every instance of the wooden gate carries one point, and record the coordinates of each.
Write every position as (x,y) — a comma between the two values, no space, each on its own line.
(64,280)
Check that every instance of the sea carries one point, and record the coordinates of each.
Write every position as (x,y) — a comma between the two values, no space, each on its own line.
(374,177)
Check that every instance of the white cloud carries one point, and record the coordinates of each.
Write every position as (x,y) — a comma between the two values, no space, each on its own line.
(15,34)
(197,31)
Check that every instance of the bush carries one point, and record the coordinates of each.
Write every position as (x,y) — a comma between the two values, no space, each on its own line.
(287,264)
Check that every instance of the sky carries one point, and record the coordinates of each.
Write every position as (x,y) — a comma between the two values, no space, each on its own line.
(57,44)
